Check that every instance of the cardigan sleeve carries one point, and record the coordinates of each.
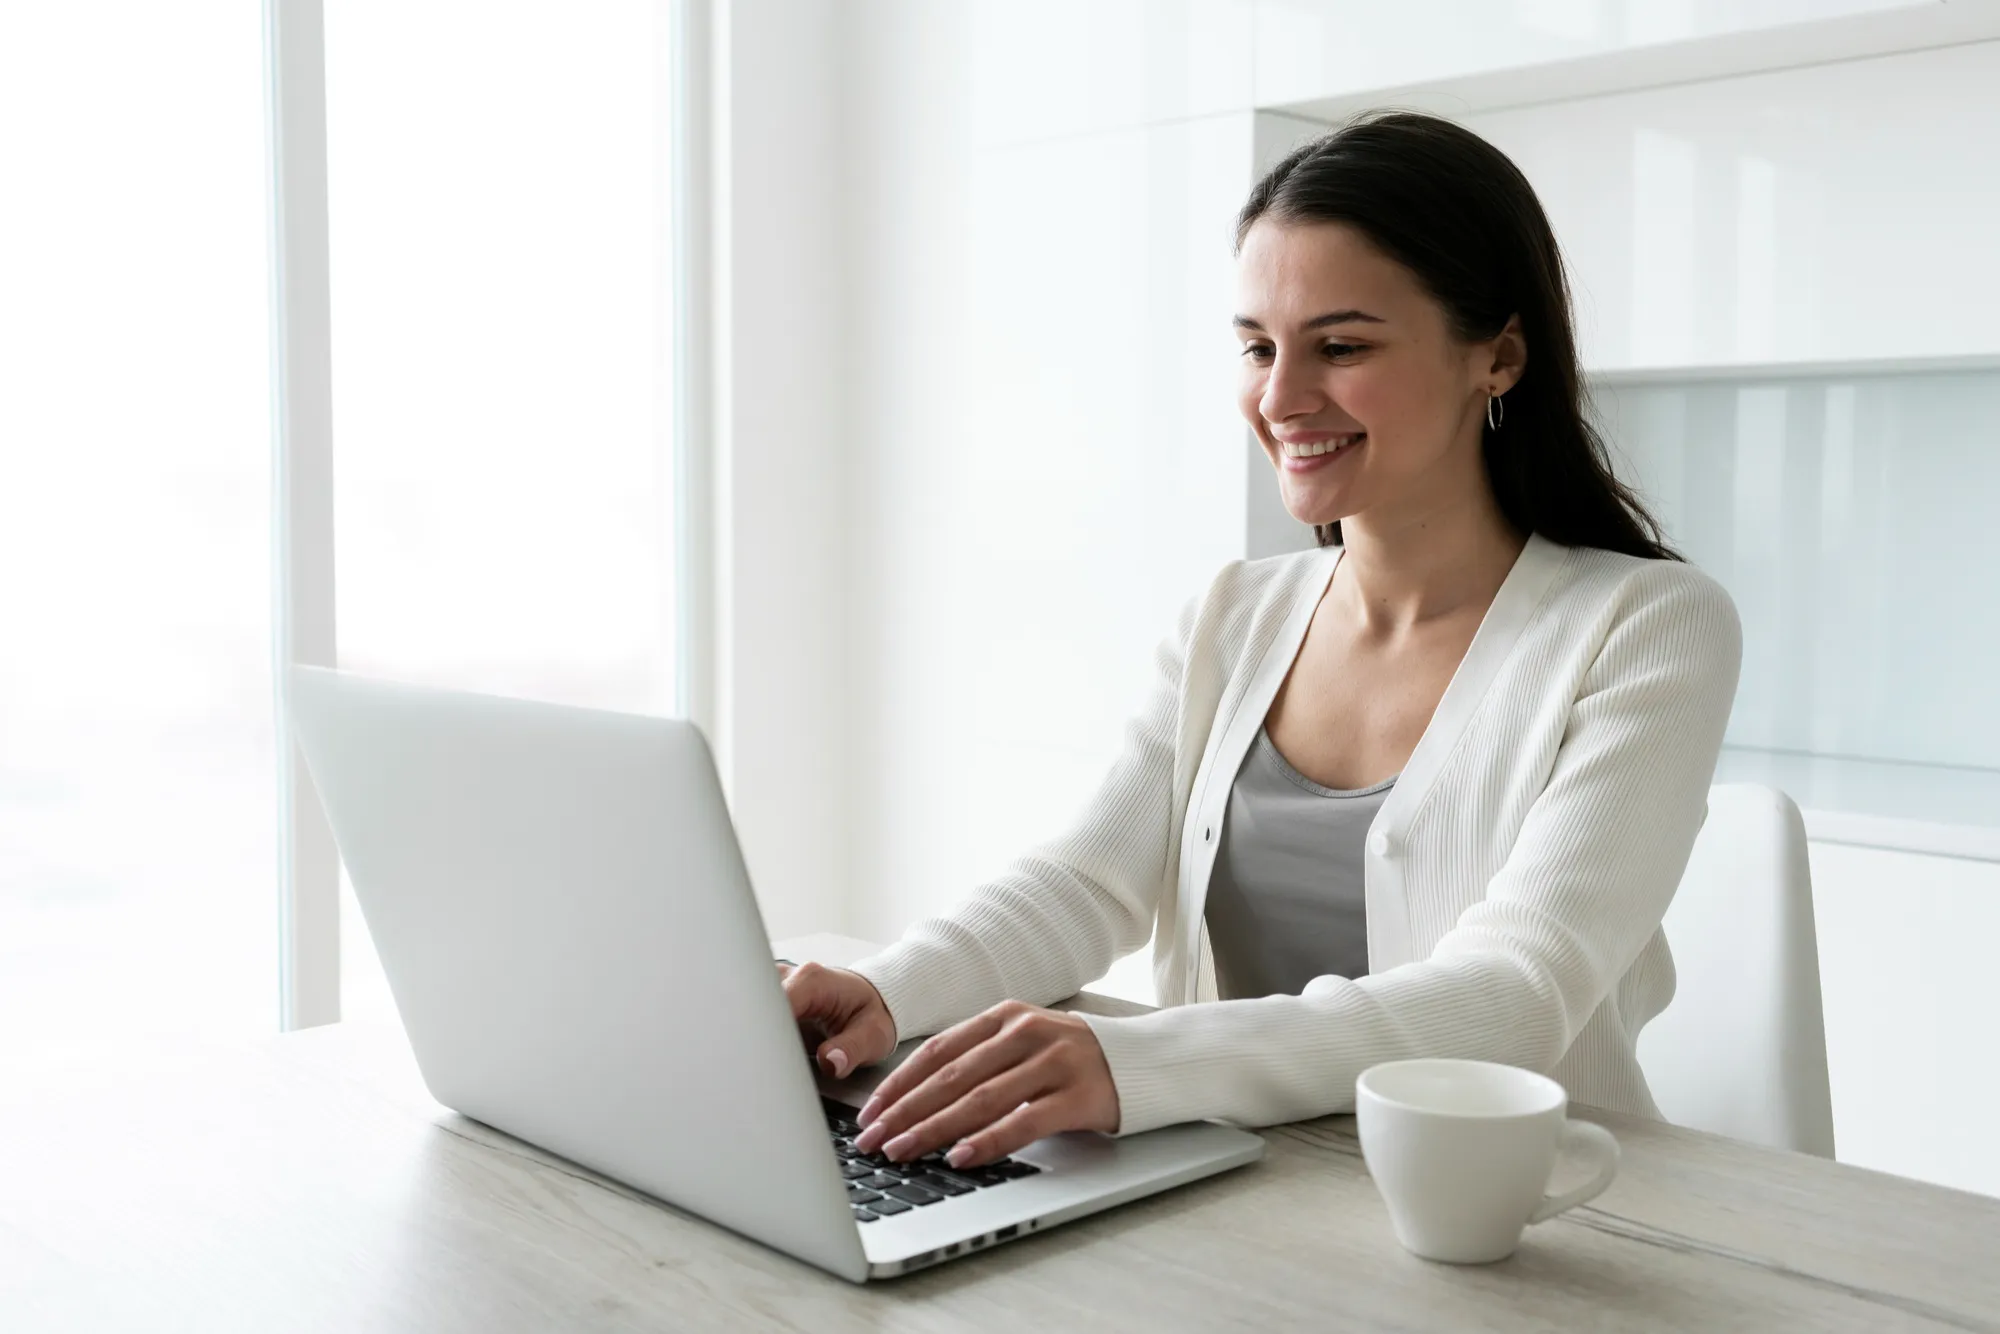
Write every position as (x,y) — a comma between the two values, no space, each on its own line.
(1058,917)
(1598,857)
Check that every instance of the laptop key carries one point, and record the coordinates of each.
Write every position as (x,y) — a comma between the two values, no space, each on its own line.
(914,1194)
(944,1185)
(879,1181)
(888,1204)
(859,1195)
(854,1170)
(864,1216)
(980,1176)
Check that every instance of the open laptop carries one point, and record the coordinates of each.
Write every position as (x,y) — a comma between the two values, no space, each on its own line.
(563,914)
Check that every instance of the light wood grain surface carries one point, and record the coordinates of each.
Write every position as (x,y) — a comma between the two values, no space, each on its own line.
(309,1183)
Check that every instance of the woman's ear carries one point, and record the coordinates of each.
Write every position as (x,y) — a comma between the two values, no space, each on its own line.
(1509,356)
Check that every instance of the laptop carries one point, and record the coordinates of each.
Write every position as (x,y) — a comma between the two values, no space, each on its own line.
(568,930)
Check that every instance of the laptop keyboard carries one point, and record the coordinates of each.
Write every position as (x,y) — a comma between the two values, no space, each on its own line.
(878,1188)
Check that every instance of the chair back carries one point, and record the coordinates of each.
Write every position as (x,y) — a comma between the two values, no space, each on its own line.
(1741,1051)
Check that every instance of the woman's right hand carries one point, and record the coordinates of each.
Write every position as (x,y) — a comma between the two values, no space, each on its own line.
(842,1018)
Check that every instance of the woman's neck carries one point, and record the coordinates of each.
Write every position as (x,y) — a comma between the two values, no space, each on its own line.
(1402,571)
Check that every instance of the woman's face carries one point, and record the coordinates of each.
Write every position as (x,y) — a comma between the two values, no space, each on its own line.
(1360,394)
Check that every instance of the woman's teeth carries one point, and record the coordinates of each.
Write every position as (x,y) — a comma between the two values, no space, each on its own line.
(1318,447)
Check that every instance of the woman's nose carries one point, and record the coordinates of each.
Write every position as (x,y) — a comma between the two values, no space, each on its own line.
(1291,389)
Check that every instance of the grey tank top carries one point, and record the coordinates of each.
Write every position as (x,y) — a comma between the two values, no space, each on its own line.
(1285,900)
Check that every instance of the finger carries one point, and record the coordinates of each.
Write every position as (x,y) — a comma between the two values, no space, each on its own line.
(813,1002)
(1032,1120)
(856,1045)
(832,1054)
(956,1080)
(978,1111)
(811,991)
(837,1035)
(935,1052)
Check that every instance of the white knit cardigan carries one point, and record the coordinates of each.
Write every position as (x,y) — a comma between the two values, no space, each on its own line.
(1514,879)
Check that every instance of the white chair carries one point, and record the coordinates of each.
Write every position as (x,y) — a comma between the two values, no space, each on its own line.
(1741,1051)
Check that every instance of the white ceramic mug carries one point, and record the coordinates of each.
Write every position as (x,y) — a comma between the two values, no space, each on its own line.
(1462,1151)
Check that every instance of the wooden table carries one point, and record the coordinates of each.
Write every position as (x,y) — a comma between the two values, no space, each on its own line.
(308,1183)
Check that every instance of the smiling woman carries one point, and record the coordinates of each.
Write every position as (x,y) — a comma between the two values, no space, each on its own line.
(1426,791)
(1448,278)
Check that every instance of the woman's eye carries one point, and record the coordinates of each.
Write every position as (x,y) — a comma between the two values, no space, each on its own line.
(1259,351)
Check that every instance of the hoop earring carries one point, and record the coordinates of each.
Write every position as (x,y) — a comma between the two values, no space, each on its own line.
(1496,412)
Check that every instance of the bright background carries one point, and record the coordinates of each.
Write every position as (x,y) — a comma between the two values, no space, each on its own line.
(503,475)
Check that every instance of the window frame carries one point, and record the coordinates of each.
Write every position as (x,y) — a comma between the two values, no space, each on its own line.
(303,550)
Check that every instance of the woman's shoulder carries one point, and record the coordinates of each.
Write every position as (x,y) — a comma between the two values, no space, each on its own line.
(1244,588)
(1594,574)
(1244,596)
(1254,580)
(1611,595)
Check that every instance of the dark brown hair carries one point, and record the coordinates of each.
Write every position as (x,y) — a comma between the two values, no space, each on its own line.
(1457,213)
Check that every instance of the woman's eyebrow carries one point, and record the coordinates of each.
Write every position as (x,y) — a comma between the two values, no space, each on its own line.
(1318,321)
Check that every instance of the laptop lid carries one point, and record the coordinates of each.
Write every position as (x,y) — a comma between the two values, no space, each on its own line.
(568,930)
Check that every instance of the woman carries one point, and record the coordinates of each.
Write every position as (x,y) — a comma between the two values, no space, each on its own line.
(1424,791)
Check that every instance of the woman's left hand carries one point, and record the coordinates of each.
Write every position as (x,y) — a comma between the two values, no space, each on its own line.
(993,1084)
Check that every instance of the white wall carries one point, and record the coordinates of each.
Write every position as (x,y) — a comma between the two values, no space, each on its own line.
(1045,456)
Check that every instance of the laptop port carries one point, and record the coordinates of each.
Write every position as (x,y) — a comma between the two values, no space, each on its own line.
(1006,1232)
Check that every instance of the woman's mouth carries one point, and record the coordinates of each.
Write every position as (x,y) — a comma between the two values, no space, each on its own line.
(1305,455)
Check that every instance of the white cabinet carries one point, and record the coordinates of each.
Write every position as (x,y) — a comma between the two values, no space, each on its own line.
(1848,516)
(1835,212)
(1906,944)
(1309,49)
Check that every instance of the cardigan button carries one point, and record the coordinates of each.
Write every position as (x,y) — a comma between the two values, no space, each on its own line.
(1379,844)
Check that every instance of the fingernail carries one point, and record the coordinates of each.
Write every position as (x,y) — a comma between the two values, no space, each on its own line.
(838,1059)
(900,1145)
(867,1139)
(869,1111)
(960,1155)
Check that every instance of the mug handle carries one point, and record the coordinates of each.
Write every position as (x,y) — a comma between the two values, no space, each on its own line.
(1602,1146)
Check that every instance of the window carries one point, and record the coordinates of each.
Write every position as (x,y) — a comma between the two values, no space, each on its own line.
(499,229)
(499,233)
(138,848)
